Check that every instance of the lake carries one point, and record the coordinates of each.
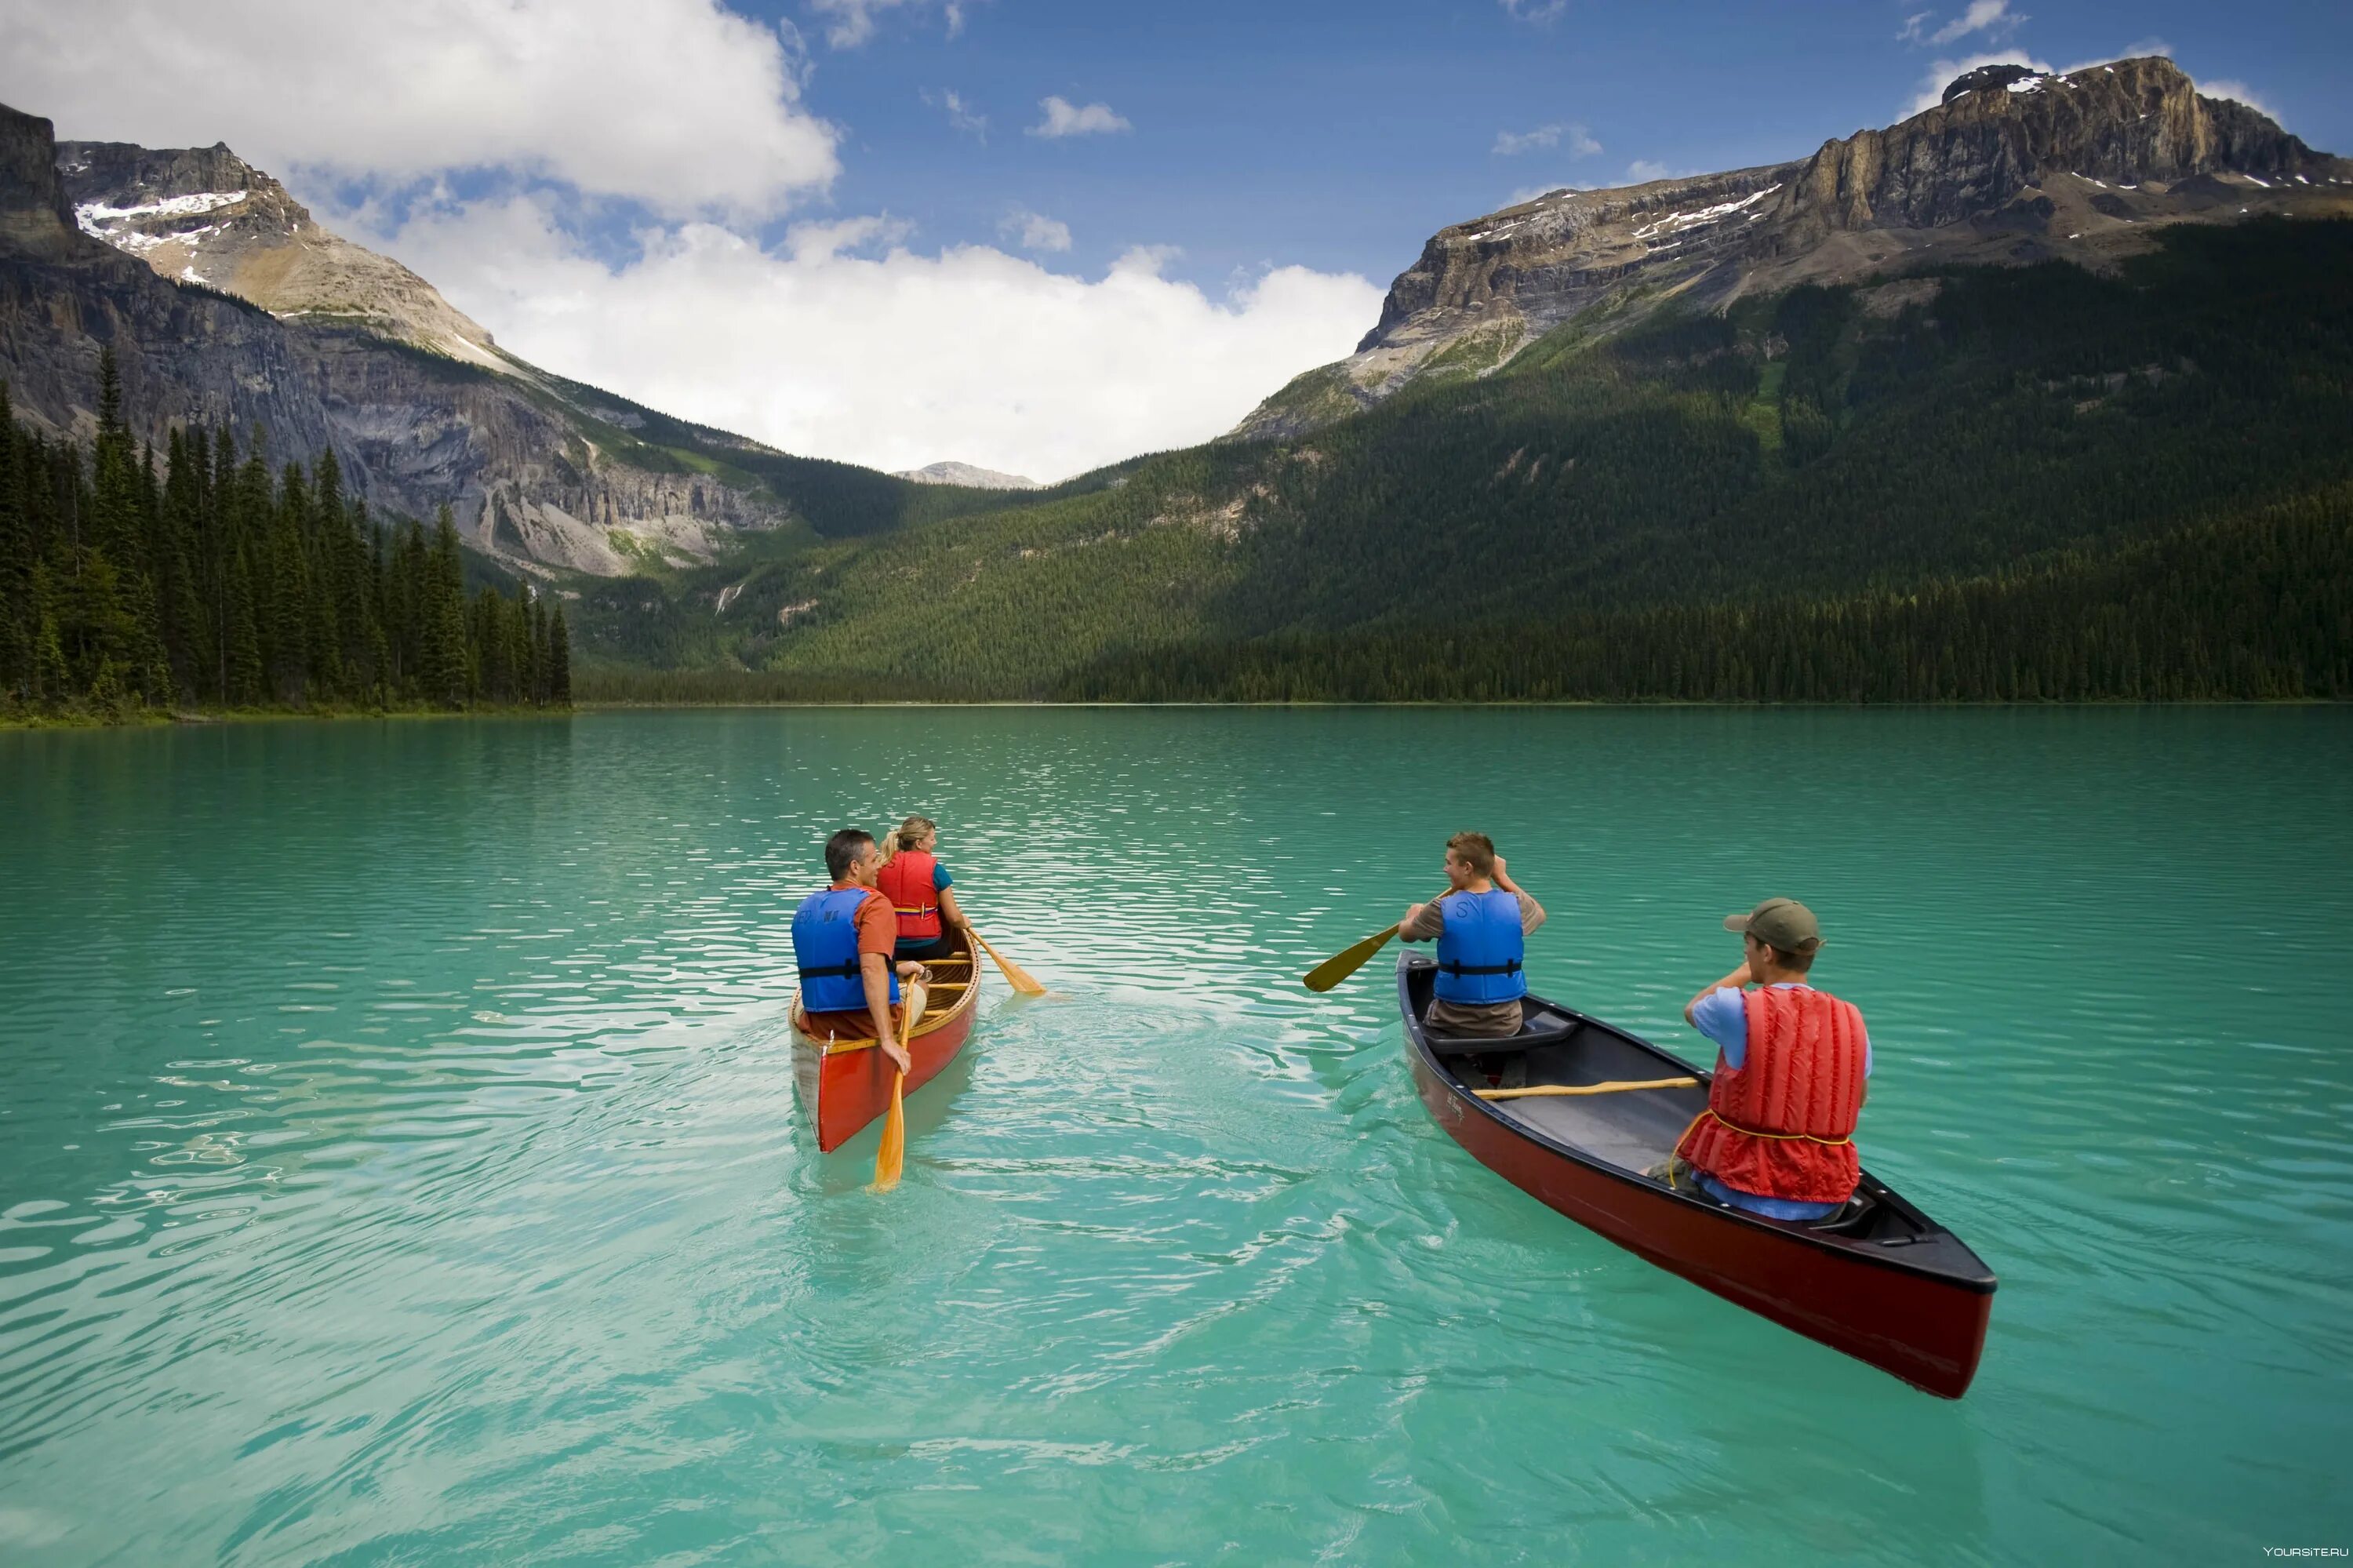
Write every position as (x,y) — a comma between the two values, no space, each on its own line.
(399,1161)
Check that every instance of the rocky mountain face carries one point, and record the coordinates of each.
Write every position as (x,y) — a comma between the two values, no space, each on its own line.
(967,475)
(202,215)
(186,355)
(2014,166)
(227,302)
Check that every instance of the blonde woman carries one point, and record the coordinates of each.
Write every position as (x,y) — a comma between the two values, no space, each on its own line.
(918,887)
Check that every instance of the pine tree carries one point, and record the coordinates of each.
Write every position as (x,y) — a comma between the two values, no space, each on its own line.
(444,663)
(559,662)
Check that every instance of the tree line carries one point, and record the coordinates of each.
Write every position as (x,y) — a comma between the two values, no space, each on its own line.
(131,581)
(2258,607)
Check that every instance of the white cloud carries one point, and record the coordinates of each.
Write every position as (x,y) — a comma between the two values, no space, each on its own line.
(1992,17)
(894,359)
(1911,33)
(1581,144)
(1535,10)
(961,116)
(1641,171)
(853,21)
(1063,120)
(1530,193)
(1034,231)
(709,119)
(2240,92)
(1930,92)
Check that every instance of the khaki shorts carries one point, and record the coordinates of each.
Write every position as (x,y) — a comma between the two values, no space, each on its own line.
(1488,1021)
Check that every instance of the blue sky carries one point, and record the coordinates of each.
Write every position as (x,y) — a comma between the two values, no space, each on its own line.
(832,225)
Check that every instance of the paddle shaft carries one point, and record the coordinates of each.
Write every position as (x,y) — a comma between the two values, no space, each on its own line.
(1549,1090)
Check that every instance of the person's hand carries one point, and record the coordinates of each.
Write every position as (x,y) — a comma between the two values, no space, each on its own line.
(1500,872)
(897,1054)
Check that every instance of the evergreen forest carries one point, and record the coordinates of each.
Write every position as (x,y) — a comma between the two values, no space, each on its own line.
(136,582)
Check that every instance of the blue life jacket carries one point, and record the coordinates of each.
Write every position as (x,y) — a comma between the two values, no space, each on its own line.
(1479,952)
(824,945)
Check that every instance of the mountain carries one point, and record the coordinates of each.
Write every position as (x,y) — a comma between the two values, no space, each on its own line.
(1910,440)
(2014,168)
(227,302)
(964,473)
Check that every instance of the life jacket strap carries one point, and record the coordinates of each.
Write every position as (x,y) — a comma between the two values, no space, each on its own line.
(1778,1137)
(1454,968)
(834,971)
(918,911)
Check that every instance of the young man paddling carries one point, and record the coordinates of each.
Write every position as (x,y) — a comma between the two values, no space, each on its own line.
(843,940)
(1481,925)
(1778,1136)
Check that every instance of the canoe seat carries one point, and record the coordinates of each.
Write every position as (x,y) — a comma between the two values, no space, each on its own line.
(1539,1026)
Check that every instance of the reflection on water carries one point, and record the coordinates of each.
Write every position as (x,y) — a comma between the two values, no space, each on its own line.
(399,1158)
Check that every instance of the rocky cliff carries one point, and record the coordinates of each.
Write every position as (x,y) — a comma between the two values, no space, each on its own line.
(2014,166)
(227,304)
(202,215)
(187,356)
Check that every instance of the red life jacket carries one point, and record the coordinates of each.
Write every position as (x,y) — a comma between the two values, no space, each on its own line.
(906,881)
(1782,1125)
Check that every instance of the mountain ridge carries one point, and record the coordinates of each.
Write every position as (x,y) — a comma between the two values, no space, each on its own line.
(2011,170)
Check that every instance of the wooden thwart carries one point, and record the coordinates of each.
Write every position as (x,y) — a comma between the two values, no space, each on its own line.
(1538,1090)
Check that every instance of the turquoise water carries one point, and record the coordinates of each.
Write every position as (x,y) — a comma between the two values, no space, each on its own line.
(399,1161)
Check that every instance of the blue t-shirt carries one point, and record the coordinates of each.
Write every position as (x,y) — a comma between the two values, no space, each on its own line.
(1723,1017)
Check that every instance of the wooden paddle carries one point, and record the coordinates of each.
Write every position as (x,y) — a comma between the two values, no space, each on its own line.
(1015,975)
(1611,1088)
(1340,966)
(891,1154)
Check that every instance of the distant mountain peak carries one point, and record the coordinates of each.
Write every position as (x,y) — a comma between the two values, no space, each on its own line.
(202,215)
(1993,78)
(2014,166)
(967,475)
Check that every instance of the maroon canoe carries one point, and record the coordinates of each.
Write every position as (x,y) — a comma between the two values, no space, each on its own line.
(845,1083)
(1880,1281)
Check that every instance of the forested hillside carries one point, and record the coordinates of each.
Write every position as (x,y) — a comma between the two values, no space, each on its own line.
(1986,483)
(204,581)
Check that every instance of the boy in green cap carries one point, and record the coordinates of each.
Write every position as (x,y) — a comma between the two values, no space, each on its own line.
(1778,1136)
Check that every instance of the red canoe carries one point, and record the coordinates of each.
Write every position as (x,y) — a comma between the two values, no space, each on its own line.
(845,1083)
(1880,1281)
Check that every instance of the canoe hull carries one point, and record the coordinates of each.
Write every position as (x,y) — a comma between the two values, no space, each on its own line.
(1844,1303)
(842,1090)
(1925,1325)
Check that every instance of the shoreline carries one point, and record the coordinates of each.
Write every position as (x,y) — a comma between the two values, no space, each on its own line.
(206,718)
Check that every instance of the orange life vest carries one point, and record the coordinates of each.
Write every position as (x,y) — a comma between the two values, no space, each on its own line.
(1782,1125)
(906,881)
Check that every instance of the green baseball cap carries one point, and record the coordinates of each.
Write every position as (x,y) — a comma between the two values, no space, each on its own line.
(1782,923)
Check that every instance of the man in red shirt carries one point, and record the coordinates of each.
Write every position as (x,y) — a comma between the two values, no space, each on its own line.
(851,859)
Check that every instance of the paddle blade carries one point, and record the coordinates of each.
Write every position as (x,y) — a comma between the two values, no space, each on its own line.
(890,1155)
(1340,966)
(1015,975)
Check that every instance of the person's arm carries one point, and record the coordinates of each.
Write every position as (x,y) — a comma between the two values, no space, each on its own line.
(1531,914)
(1422,922)
(875,970)
(1737,980)
(951,917)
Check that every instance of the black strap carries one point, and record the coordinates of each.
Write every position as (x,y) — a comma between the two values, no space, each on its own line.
(1454,968)
(840,971)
